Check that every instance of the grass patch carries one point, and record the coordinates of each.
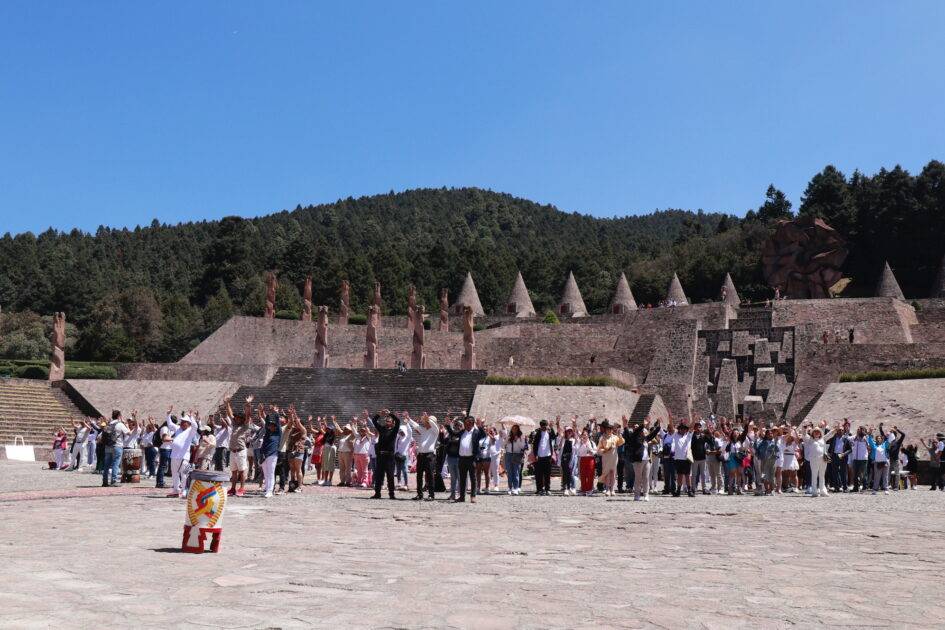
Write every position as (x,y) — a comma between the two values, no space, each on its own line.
(892,375)
(548,381)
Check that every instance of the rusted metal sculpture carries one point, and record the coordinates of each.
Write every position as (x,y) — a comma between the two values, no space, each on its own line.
(411,305)
(370,338)
(444,310)
(271,284)
(345,307)
(57,361)
(417,358)
(307,300)
(321,338)
(468,361)
(803,258)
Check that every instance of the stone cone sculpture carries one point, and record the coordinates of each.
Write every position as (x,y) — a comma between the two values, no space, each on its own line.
(519,302)
(469,297)
(888,286)
(731,294)
(675,292)
(572,303)
(623,297)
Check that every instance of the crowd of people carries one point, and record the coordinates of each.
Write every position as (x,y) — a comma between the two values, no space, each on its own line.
(466,456)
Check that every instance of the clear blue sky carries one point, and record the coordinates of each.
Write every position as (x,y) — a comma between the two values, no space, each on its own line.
(117,113)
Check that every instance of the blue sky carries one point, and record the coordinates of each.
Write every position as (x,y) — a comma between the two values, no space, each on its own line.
(119,113)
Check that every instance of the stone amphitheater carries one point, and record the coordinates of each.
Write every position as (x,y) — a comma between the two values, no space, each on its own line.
(775,361)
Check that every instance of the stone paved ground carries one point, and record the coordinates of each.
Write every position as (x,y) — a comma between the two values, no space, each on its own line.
(332,558)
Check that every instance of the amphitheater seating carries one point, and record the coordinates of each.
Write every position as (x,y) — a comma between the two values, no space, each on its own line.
(344,393)
(34,410)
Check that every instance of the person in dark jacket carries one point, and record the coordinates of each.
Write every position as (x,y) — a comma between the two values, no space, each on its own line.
(387,426)
(544,443)
(637,451)
(469,439)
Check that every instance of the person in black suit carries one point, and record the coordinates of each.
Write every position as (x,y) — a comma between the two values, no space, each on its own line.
(468,446)
(387,426)
(544,443)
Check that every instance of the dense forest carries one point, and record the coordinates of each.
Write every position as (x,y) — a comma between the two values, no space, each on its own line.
(152,293)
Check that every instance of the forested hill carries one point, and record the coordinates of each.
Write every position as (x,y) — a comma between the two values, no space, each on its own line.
(153,292)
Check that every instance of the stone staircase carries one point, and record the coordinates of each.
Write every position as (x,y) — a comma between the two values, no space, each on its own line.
(33,410)
(345,392)
(642,409)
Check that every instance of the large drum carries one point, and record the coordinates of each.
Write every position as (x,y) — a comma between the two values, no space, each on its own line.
(205,502)
(131,465)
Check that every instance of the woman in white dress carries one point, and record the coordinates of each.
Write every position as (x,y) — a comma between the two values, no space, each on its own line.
(790,465)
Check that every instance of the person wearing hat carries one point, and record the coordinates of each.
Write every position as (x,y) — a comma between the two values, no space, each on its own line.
(607,447)
(206,448)
(544,443)
(180,452)
(427,434)
(816,453)
(269,452)
(637,451)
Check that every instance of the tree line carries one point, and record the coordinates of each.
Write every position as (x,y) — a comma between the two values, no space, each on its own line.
(152,293)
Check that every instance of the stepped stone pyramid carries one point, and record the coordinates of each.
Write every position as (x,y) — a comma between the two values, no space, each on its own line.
(731,294)
(938,289)
(468,297)
(519,303)
(571,301)
(623,297)
(675,292)
(887,285)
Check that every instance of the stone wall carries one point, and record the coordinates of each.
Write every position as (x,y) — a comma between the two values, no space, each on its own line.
(152,398)
(547,402)
(237,372)
(874,320)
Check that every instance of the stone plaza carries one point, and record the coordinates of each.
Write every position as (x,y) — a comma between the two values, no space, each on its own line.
(78,555)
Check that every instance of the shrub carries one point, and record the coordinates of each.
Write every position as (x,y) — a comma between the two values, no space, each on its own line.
(288,315)
(357,320)
(892,375)
(32,371)
(478,327)
(551,318)
(427,324)
(91,371)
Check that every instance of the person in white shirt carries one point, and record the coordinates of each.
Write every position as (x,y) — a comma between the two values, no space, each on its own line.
(682,461)
(81,435)
(815,451)
(468,445)
(515,445)
(221,435)
(861,457)
(881,463)
(180,453)
(427,434)
(401,450)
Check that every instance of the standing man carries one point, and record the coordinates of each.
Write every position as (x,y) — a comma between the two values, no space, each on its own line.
(114,436)
(387,426)
(468,446)
(180,453)
(427,434)
(861,458)
(166,432)
(702,443)
(543,444)
(840,449)
(241,432)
